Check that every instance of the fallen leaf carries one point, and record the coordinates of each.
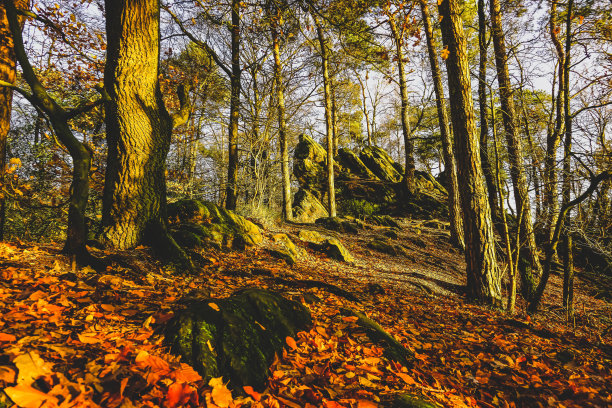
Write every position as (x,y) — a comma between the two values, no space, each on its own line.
(4,337)
(27,397)
(30,367)
(291,343)
(366,404)
(7,374)
(222,396)
(214,306)
(252,393)
(350,319)
(407,379)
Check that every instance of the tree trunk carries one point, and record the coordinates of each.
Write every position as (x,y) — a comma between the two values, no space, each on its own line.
(232,166)
(331,193)
(409,178)
(531,270)
(483,280)
(364,107)
(282,123)
(454,201)
(482,102)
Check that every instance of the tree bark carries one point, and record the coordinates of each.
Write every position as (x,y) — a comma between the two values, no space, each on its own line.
(483,280)
(454,201)
(531,270)
(282,121)
(482,103)
(232,166)
(331,193)
(409,177)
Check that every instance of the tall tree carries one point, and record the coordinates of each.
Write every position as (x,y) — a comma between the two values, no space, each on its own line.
(232,166)
(531,270)
(138,129)
(483,279)
(323,45)
(454,202)
(397,34)
(58,117)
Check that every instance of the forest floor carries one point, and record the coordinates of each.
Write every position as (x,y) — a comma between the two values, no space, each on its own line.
(74,337)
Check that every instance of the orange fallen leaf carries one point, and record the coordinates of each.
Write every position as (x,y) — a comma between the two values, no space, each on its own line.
(251,392)
(350,319)
(214,306)
(5,337)
(88,339)
(291,343)
(7,374)
(366,404)
(27,397)
(222,396)
(179,394)
(407,379)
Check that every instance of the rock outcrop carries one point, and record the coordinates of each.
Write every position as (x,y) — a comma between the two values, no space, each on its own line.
(366,183)
(199,223)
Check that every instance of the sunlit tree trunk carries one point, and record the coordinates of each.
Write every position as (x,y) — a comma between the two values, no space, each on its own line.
(483,280)
(409,175)
(232,167)
(531,270)
(282,121)
(331,193)
(454,201)
(482,102)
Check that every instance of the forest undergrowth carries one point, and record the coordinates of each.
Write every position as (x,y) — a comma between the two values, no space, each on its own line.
(74,337)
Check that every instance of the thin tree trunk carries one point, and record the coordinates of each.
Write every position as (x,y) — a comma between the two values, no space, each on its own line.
(483,280)
(232,166)
(331,193)
(282,123)
(364,107)
(482,102)
(532,270)
(409,175)
(334,118)
(454,201)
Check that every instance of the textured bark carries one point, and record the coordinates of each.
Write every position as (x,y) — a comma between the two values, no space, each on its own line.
(530,271)
(232,166)
(331,193)
(364,108)
(138,127)
(409,179)
(282,122)
(58,117)
(483,280)
(454,201)
(482,102)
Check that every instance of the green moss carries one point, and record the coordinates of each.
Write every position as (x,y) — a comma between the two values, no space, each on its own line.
(409,401)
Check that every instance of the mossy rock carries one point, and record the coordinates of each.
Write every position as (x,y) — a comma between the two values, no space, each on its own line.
(393,348)
(436,224)
(383,221)
(307,207)
(380,163)
(351,164)
(197,223)
(338,224)
(333,248)
(312,237)
(386,247)
(283,254)
(244,331)
(288,251)
(408,401)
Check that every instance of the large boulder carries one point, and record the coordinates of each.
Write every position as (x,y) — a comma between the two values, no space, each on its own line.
(352,166)
(381,164)
(307,207)
(309,166)
(200,223)
(237,337)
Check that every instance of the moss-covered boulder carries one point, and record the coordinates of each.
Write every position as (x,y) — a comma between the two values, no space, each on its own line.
(352,166)
(196,223)
(408,401)
(393,348)
(312,237)
(383,221)
(333,248)
(338,224)
(386,247)
(309,165)
(380,163)
(286,250)
(307,207)
(236,337)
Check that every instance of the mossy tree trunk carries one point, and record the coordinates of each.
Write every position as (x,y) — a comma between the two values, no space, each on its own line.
(454,201)
(398,40)
(58,117)
(331,193)
(483,280)
(530,271)
(275,16)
